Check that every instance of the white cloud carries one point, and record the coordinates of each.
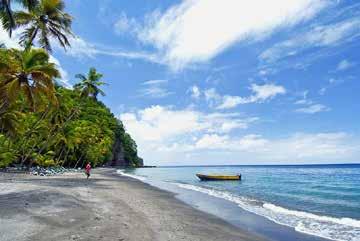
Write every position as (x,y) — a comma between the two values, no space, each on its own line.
(81,48)
(319,36)
(124,24)
(266,71)
(158,130)
(322,91)
(335,81)
(229,102)
(64,75)
(156,82)
(344,65)
(261,93)
(154,89)
(195,92)
(224,142)
(312,109)
(211,141)
(154,92)
(196,31)
(331,84)
(12,42)
(304,100)
(265,92)
(186,137)
(211,96)
(159,122)
(320,145)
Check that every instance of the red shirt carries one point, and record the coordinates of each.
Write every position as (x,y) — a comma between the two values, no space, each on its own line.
(88,168)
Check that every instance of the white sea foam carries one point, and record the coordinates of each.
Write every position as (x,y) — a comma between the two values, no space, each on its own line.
(122,173)
(342,229)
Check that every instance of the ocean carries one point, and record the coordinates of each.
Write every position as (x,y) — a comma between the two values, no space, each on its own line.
(319,200)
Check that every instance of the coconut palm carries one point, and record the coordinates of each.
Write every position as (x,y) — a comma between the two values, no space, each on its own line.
(9,122)
(42,21)
(26,72)
(6,13)
(89,86)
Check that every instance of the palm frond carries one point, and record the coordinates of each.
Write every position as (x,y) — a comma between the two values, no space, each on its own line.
(6,16)
(8,23)
(101,92)
(89,86)
(44,19)
(23,17)
(80,76)
(49,70)
(28,91)
(44,39)
(12,89)
(28,72)
(29,4)
(9,121)
(34,57)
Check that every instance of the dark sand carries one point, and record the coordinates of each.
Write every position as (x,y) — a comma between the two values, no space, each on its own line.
(105,207)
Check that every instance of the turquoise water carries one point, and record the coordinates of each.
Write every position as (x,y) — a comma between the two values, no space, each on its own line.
(318,200)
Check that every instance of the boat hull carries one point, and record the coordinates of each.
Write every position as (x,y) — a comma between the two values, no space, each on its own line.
(203,177)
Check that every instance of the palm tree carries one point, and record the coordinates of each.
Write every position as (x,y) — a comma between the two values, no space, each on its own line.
(42,21)
(89,86)
(26,72)
(6,13)
(9,122)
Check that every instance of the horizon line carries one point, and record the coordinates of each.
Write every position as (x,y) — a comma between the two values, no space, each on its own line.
(219,165)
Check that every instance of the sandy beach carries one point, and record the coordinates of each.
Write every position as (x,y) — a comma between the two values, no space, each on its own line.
(105,207)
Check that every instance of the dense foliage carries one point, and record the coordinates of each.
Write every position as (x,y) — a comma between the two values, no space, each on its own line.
(58,126)
(42,123)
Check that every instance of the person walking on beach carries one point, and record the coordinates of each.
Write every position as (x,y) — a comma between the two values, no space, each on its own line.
(87,170)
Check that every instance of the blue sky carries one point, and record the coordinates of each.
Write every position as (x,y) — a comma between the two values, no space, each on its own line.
(225,82)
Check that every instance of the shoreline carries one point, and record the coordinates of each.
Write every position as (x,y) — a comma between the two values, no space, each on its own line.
(229,211)
(105,207)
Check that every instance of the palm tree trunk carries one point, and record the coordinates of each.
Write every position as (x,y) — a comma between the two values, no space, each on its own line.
(82,154)
(52,134)
(66,156)
(82,164)
(26,139)
(61,152)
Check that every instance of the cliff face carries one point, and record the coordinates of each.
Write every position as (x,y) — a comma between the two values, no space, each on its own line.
(141,162)
(118,155)
(122,159)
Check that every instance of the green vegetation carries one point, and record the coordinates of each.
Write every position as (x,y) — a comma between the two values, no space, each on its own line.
(41,122)
(89,86)
(41,19)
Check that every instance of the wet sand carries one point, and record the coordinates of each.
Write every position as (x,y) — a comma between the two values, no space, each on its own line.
(105,207)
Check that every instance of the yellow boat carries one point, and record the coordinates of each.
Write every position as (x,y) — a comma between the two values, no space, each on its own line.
(219,177)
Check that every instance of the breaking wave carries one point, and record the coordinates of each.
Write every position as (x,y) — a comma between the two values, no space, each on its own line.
(342,229)
(122,173)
